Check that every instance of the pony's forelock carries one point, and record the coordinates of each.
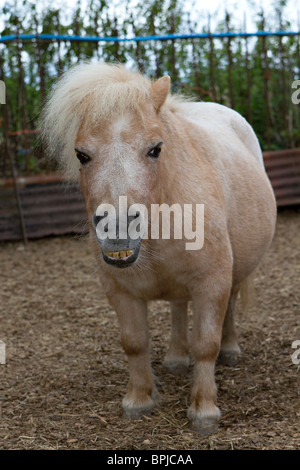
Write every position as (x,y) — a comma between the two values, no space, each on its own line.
(89,93)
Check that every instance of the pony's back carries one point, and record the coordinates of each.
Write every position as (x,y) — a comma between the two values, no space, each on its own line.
(223,122)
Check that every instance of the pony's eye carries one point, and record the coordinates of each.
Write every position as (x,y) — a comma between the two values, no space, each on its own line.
(155,152)
(82,157)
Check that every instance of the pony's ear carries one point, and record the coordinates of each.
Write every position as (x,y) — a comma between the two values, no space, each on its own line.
(159,91)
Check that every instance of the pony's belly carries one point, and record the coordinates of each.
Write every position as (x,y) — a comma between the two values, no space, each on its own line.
(156,286)
(176,292)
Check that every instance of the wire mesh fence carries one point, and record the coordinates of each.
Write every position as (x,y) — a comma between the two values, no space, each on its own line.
(250,72)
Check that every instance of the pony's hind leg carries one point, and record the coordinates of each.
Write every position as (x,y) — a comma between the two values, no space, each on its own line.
(177,357)
(230,350)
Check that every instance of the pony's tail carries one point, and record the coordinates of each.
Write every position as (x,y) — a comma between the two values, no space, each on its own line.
(247,292)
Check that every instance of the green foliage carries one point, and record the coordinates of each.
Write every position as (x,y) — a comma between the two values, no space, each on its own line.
(253,76)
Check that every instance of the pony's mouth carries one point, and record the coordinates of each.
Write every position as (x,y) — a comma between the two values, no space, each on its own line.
(122,258)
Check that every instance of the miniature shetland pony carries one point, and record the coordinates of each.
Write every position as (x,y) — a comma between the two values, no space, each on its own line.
(121,134)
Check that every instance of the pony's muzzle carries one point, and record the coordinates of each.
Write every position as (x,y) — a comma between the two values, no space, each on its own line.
(118,239)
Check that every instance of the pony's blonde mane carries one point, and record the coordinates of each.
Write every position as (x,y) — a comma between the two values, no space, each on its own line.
(89,92)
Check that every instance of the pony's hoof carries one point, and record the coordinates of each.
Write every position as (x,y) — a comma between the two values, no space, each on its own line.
(137,413)
(229,358)
(177,367)
(132,411)
(205,426)
(204,423)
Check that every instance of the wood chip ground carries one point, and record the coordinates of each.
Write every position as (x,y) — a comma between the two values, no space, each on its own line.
(66,373)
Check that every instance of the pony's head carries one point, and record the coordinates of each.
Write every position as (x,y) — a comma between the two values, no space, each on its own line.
(103,123)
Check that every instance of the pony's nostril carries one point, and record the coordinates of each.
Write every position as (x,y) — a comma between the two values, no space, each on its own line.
(137,214)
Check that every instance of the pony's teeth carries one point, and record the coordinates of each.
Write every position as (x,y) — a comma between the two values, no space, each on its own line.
(119,254)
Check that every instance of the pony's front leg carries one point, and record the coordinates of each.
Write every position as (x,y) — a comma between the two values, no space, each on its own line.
(132,316)
(209,307)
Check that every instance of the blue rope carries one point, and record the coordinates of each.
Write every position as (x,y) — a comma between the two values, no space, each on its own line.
(165,37)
